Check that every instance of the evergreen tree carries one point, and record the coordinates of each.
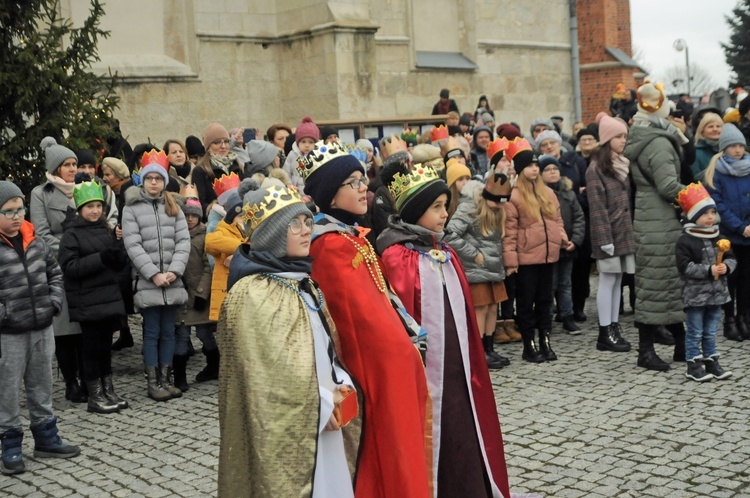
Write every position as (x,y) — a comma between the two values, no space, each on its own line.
(737,51)
(47,88)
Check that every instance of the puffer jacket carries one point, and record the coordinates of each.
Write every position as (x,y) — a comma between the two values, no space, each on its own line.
(732,197)
(465,237)
(31,290)
(91,286)
(530,241)
(221,243)
(571,213)
(156,243)
(197,279)
(695,255)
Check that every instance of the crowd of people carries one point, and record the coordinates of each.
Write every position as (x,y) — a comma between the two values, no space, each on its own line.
(349,297)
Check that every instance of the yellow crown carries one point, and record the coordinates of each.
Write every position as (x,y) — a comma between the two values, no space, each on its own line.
(393,145)
(277,198)
(189,191)
(402,186)
(319,156)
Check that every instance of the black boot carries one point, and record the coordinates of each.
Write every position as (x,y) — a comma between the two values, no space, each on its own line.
(607,340)
(731,331)
(124,341)
(662,336)
(12,459)
(647,357)
(743,326)
(714,369)
(98,402)
(109,392)
(618,334)
(180,376)
(493,362)
(489,349)
(530,351)
(569,325)
(73,392)
(211,371)
(47,442)
(678,332)
(545,349)
(695,370)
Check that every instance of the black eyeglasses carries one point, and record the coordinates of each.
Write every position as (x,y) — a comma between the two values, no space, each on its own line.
(295,226)
(355,184)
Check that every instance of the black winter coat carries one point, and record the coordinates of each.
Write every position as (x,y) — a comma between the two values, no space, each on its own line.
(90,259)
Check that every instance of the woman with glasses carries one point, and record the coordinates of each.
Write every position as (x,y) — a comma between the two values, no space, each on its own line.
(157,240)
(395,458)
(218,161)
(48,207)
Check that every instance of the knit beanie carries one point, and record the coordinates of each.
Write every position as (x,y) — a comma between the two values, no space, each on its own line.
(509,131)
(465,120)
(54,154)
(155,167)
(454,171)
(85,156)
(548,134)
(651,100)
(8,191)
(271,234)
(261,153)
(192,206)
(523,159)
(541,122)
(481,128)
(233,206)
(323,184)
(545,160)
(119,168)
(420,201)
(609,127)
(730,135)
(487,118)
(214,132)
(327,131)
(194,146)
(694,200)
(307,129)
(591,130)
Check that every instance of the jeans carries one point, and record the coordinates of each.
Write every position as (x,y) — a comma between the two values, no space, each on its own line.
(205,332)
(702,327)
(158,335)
(561,282)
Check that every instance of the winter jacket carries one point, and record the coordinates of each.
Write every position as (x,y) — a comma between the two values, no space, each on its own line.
(704,151)
(479,162)
(221,244)
(732,197)
(609,213)
(197,279)
(91,284)
(654,156)
(573,167)
(204,182)
(465,237)
(571,214)
(382,208)
(290,166)
(31,290)
(531,241)
(695,256)
(156,243)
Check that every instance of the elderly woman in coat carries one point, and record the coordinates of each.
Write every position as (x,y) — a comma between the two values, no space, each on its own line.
(157,240)
(49,205)
(654,148)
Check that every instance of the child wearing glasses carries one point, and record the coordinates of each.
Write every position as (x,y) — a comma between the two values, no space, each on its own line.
(281,384)
(31,293)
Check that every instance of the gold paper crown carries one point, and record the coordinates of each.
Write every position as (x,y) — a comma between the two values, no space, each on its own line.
(321,154)
(277,198)
(189,191)
(392,145)
(404,185)
(449,145)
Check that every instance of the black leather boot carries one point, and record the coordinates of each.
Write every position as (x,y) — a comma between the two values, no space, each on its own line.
(109,392)
(211,371)
(489,351)
(731,331)
(180,376)
(73,392)
(618,334)
(98,402)
(607,340)
(124,341)
(743,326)
(545,349)
(647,357)
(530,351)
(662,336)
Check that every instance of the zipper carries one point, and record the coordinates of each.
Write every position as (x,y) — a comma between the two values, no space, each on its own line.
(31,291)
(161,249)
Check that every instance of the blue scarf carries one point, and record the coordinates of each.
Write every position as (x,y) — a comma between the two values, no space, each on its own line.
(733,167)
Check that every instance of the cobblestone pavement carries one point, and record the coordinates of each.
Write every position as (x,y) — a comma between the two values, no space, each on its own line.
(591,424)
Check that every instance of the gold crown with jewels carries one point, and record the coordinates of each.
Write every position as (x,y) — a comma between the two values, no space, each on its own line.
(277,198)
(321,154)
(403,185)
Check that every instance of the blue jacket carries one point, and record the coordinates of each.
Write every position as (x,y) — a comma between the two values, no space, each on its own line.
(732,197)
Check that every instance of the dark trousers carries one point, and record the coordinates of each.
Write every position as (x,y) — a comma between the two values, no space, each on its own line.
(534,298)
(97,350)
(739,283)
(579,279)
(69,354)
(506,307)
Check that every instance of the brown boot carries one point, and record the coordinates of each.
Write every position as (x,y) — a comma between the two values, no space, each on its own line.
(512,331)
(500,335)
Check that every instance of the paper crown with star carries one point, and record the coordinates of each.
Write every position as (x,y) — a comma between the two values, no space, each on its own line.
(86,192)
(404,185)
(225,183)
(277,198)
(694,201)
(321,154)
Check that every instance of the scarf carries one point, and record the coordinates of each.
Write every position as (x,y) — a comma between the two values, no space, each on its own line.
(345,217)
(646,119)
(223,162)
(248,262)
(621,165)
(444,108)
(700,231)
(184,170)
(731,167)
(63,186)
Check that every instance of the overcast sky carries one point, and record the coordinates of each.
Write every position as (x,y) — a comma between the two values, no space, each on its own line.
(657,24)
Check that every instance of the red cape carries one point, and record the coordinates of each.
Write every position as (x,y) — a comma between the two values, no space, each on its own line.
(402,265)
(394,455)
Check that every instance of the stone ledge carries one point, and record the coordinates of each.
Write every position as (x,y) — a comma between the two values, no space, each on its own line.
(534,45)
(320,29)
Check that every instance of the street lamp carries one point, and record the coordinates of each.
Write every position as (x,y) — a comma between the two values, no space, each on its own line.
(680,45)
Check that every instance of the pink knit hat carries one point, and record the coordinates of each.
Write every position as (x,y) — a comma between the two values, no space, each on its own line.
(214,132)
(609,127)
(307,129)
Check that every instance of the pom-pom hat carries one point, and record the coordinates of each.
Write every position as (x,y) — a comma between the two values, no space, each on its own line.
(307,129)
(54,154)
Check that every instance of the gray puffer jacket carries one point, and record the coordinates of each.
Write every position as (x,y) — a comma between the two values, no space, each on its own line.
(156,243)
(465,237)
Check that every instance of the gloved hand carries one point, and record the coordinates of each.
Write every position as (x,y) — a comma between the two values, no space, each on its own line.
(199,304)
(609,249)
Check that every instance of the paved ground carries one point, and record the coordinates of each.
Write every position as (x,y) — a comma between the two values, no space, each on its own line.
(590,424)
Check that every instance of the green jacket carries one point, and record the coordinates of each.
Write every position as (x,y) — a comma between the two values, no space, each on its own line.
(655,153)
(704,151)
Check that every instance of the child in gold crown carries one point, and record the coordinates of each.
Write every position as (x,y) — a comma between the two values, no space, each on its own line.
(704,282)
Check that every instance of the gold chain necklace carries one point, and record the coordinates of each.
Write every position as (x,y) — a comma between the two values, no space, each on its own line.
(366,255)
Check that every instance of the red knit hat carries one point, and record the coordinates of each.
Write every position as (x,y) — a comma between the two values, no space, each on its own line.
(307,129)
